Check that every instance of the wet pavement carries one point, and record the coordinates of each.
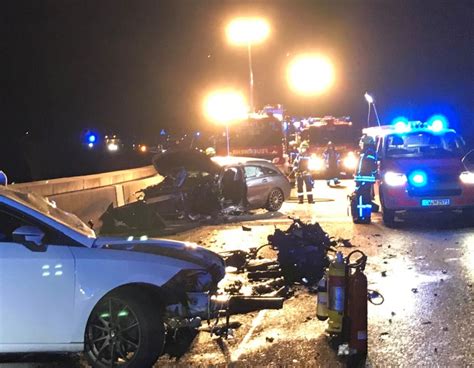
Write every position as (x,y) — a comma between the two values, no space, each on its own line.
(424,268)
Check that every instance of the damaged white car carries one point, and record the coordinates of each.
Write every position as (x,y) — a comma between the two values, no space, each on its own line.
(62,289)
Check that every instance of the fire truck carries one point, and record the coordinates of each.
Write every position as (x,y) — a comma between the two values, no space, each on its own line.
(343,135)
(261,135)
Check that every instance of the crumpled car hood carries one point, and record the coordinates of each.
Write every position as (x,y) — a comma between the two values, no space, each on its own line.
(188,252)
(191,160)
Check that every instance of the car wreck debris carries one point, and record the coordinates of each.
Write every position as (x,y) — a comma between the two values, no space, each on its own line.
(302,251)
(198,188)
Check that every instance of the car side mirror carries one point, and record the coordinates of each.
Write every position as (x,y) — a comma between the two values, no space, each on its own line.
(468,161)
(31,237)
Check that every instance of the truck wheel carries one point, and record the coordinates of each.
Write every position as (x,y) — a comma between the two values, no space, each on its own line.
(275,200)
(388,217)
(124,330)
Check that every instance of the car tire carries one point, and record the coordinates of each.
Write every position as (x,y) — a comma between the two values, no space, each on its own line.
(388,217)
(124,330)
(275,200)
(468,214)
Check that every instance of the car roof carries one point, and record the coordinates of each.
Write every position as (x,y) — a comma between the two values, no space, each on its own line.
(237,160)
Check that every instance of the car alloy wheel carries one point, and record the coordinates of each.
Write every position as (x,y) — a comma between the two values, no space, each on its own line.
(275,200)
(123,331)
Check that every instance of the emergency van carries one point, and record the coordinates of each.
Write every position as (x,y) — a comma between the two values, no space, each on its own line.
(421,167)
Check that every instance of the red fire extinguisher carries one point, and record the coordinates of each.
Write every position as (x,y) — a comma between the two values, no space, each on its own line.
(356,305)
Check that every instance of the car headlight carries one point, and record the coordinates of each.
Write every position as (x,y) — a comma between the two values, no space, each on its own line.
(467,177)
(350,161)
(189,280)
(316,164)
(394,179)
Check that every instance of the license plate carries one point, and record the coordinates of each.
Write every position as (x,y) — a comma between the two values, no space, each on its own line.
(435,202)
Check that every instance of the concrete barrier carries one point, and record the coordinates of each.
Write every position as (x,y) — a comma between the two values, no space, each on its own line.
(89,196)
(77,183)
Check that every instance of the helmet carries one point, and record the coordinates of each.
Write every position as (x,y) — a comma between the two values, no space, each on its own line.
(210,151)
(330,144)
(366,141)
(304,145)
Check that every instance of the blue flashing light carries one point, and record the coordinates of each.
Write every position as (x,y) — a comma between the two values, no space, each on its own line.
(163,132)
(401,124)
(437,123)
(91,138)
(418,178)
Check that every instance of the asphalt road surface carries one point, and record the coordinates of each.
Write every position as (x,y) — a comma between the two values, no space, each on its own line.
(424,268)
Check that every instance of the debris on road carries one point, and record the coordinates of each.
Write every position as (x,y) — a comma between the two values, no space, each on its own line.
(302,251)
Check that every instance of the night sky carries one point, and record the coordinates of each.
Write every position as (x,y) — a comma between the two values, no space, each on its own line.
(134,67)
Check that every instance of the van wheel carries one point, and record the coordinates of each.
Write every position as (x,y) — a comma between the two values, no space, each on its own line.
(275,200)
(468,214)
(125,331)
(388,217)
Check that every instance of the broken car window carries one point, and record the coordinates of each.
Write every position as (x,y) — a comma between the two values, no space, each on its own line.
(253,172)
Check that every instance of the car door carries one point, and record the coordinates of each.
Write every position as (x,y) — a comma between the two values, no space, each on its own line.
(258,185)
(36,284)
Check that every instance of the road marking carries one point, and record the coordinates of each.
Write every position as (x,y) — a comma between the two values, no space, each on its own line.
(241,348)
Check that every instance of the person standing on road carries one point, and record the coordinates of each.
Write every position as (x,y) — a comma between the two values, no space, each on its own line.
(303,175)
(361,200)
(331,159)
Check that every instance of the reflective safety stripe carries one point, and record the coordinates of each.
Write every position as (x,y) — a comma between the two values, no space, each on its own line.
(361,207)
(301,194)
(365,178)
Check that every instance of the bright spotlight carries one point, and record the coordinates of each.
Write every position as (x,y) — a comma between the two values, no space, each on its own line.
(369,98)
(310,74)
(225,106)
(112,147)
(246,31)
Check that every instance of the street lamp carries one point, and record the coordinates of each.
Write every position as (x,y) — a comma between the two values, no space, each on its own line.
(245,32)
(370,101)
(225,107)
(310,74)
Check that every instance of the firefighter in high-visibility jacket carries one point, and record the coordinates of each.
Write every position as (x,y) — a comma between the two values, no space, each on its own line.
(361,200)
(303,174)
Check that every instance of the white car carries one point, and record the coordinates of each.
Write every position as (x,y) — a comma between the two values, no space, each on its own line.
(62,289)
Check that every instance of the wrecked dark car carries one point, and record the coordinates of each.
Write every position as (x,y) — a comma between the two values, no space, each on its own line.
(195,185)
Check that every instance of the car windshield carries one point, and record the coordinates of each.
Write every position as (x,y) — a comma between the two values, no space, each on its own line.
(424,144)
(48,208)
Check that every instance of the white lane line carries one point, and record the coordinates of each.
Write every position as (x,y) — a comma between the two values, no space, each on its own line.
(242,346)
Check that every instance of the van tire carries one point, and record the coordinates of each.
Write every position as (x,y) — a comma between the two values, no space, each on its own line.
(388,217)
